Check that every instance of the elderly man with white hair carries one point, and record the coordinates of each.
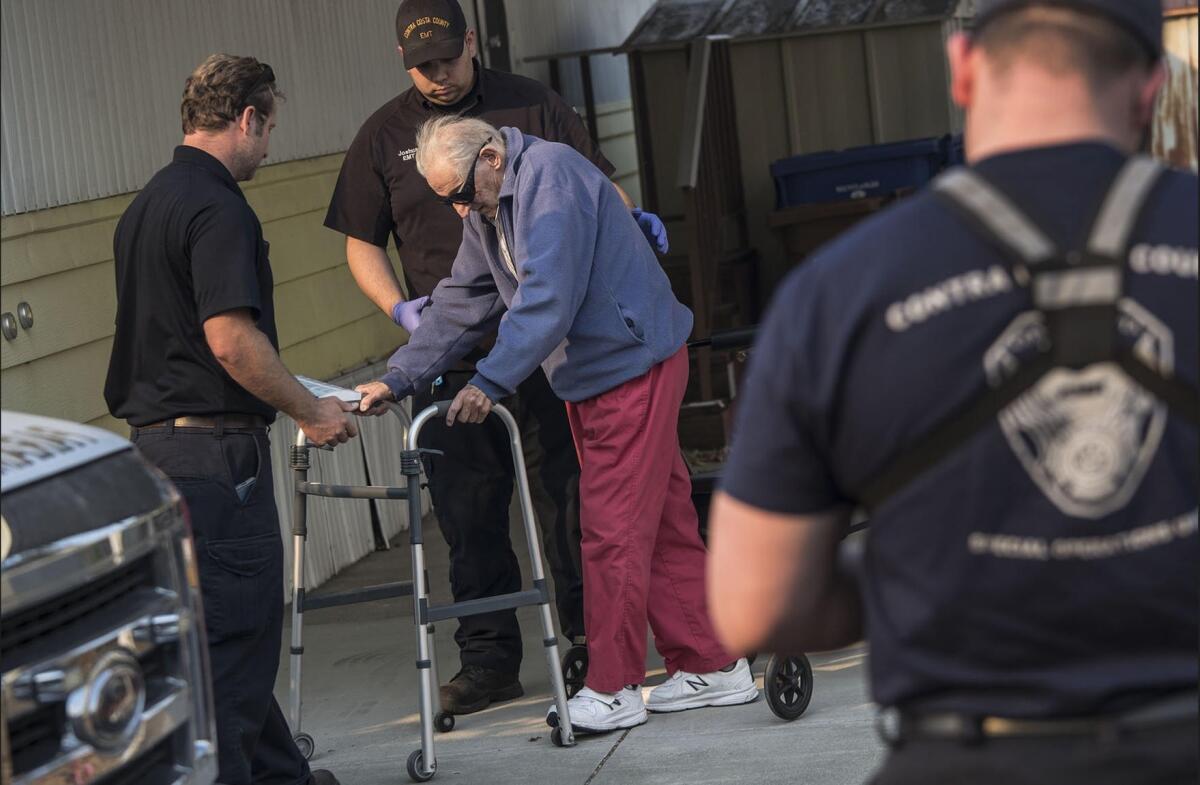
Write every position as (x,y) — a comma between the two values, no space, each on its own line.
(552,256)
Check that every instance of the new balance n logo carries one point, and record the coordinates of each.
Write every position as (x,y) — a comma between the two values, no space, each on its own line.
(696,682)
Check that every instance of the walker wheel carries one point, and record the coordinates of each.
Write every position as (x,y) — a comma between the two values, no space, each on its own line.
(416,768)
(556,736)
(443,721)
(574,669)
(305,744)
(788,685)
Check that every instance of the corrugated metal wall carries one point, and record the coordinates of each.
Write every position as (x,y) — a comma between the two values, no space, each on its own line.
(91,89)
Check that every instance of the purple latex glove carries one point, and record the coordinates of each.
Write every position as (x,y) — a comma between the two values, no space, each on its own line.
(652,226)
(407,313)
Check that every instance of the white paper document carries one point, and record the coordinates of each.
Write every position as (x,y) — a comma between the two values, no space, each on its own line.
(325,390)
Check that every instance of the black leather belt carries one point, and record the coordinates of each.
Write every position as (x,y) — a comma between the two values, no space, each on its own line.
(228,422)
(896,727)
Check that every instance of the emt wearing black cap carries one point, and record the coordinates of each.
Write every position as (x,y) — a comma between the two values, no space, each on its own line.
(195,370)
(1003,371)
(380,195)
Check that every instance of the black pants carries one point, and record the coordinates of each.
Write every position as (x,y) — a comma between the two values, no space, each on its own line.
(240,555)
(1163,755)
(472,486)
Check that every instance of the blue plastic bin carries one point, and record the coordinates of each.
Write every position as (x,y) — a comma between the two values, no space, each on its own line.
(857,173)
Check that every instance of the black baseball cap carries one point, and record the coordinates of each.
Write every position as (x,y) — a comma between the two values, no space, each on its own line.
(430,30)
(1142,18)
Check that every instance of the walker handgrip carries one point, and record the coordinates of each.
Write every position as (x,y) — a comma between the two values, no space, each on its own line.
(725,340)
(443,407)
(737,338)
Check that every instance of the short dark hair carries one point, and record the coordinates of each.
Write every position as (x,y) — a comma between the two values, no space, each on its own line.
(222,87)
(1063,41)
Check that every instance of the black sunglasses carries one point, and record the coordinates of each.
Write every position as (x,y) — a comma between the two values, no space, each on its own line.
(265,78)
(466,194)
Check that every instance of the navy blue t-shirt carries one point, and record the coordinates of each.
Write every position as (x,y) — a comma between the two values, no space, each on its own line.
(1047,567)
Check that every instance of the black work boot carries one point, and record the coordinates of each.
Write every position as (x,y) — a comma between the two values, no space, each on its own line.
(474,688)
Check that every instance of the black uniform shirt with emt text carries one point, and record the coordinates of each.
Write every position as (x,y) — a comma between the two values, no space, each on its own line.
(379,192)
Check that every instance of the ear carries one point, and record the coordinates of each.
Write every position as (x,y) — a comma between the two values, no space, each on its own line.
(1147,94)
(962,71)
(400,49)
(493,159)
(247,121)
(469,43)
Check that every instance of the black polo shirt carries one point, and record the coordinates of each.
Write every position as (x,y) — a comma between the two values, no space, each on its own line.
(189,247)
(380,193)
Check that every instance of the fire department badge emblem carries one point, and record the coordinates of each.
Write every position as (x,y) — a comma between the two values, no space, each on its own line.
(1086,437)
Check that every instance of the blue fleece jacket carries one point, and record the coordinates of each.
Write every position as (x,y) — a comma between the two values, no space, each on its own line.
(590,302)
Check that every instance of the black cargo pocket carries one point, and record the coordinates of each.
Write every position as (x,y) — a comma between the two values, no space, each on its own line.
(241,580)
(241,452)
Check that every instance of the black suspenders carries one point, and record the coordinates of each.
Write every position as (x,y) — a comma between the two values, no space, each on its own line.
(1075,293)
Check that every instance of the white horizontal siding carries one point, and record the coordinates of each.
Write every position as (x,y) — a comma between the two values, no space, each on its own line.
(91,88)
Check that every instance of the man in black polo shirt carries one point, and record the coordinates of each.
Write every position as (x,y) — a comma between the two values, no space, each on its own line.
(195,370)
(380,194)
(1028,588)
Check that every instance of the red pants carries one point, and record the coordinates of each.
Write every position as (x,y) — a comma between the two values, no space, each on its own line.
(642,553)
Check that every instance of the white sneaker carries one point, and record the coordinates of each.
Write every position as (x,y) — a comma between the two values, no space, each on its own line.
(693,690)
(597,712)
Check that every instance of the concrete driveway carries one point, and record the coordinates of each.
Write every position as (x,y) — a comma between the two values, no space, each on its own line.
(360,705)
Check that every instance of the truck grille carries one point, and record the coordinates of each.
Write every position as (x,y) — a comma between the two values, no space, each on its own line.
(26,628)
(156,767)
(34,739)
(141,616)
